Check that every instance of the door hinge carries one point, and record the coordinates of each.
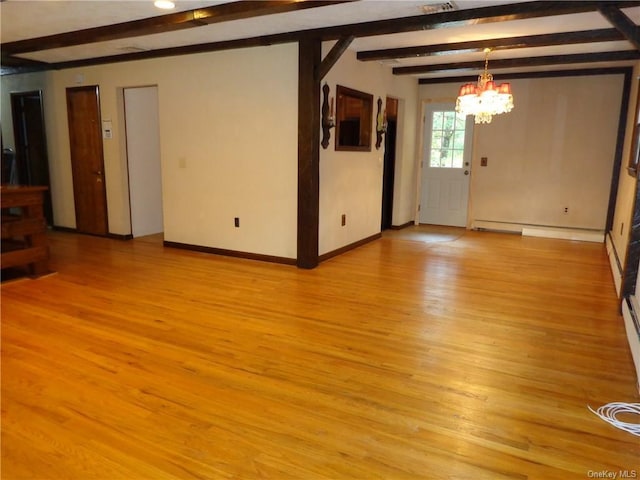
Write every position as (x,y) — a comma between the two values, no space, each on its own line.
(419,207)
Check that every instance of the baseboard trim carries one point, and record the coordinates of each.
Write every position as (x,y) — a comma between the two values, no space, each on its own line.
(230,253)
(120,236)
(614,261)
(351,246)
(545,231)
(64,229)
(578,234)
(410,223)
(115,236)
(632,329)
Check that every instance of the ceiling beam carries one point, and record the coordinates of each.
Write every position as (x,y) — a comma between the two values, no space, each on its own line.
(334,55)
(579,72)
(618,19)
(586,36)
(162,24)
(460,18)
(504,12)
(521,62)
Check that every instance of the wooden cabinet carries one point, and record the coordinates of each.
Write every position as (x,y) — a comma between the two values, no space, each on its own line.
(24,237)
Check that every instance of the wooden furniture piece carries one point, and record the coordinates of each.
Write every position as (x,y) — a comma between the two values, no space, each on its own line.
(24,238)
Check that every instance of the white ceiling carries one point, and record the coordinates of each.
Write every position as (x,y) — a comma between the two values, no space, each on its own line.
(27,19)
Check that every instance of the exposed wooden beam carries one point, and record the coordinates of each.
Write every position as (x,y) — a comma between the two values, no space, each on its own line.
(309,59)
(459,18)
(577,72)
(585,36)
(334,54)
(623,23)
(12,66)
(517,11)
(522,62)
(163,24)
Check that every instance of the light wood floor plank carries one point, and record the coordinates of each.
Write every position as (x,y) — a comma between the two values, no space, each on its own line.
(438,355)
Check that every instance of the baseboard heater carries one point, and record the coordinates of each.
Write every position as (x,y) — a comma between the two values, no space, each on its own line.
(630,311)
(526,230)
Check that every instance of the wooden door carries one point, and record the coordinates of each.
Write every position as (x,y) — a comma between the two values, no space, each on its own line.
(87,163)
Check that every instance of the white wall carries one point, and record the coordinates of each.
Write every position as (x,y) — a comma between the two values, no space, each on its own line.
(228,128)
(554,150)
(351,182)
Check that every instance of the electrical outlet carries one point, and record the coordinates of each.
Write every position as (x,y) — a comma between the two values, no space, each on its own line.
(344,219)
(236,222)
(566,210)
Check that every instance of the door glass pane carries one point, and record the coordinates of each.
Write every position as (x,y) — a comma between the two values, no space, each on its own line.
(447,139)
(436,139)
(458,158)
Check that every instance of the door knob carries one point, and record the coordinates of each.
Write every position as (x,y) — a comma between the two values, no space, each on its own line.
(466,172)
(98,172)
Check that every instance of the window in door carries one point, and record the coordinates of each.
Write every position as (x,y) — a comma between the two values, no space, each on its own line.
(447,139)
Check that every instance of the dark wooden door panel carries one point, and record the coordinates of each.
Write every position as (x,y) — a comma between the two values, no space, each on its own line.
(87,163)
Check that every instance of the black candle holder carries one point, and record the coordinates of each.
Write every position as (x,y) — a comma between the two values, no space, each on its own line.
(328,119)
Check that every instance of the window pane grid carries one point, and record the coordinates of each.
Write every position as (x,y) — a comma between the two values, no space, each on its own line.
(447,140)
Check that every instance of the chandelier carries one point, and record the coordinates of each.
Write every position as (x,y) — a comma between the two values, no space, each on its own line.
(486,98)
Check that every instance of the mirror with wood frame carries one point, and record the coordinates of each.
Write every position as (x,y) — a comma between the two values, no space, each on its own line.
(354,114)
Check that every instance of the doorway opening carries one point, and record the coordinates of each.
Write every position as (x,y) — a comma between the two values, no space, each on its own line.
(389,168)
(30,162)
(142,127)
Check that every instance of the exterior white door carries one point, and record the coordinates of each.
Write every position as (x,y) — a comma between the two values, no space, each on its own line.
(446,166)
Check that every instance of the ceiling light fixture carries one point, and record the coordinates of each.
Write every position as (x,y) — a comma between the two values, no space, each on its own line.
(164,4)
(486,98)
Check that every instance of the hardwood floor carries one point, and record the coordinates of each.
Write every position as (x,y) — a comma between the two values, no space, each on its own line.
(472,357)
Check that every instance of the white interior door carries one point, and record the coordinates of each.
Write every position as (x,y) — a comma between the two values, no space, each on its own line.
(446,166)
(143,155)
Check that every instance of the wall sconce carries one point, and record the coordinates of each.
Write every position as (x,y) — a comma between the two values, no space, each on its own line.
(328,116)
(381,124)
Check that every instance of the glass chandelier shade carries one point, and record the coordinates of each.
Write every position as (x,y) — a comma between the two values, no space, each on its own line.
(486,98)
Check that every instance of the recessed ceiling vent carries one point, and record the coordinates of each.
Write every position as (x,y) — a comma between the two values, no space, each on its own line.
(439,7)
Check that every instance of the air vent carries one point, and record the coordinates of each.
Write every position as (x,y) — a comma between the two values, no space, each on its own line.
(439,7)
